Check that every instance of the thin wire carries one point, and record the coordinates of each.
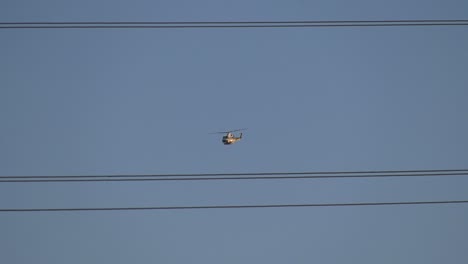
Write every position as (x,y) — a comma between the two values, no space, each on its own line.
(239,174)
(230,24)
(229,206)
(240,22)
(46,180)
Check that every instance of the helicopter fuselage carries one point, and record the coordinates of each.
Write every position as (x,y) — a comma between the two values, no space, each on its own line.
(230,139)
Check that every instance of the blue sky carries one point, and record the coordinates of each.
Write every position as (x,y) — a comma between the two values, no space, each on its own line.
(94,102)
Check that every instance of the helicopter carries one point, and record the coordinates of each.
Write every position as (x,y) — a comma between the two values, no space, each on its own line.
(230,138)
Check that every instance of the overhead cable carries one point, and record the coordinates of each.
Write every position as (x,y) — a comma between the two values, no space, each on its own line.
(230,206)
(235,176)
(231,24)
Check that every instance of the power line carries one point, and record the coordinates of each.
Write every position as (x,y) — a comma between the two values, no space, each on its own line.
(239,174)
(290,177)
(235,176)
(243,22)
(231,24)
(230,206)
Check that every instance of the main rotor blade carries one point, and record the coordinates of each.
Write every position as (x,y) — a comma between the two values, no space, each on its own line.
(238,130)
(225,132)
